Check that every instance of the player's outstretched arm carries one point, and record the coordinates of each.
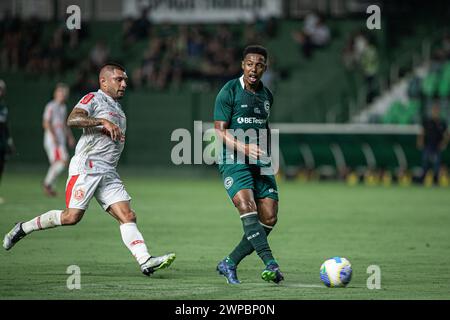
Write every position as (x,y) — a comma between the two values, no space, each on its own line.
(79,118)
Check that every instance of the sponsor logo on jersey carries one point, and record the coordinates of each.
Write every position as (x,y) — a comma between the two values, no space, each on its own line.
(272,190)
(87,98)
(250,120)
(228,182)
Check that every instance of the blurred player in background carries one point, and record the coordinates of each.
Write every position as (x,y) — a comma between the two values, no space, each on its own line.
(245,103)
(432,140)
(56,134)
(6,141)
(92,171)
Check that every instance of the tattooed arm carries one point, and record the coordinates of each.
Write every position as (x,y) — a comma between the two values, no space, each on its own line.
(79,118)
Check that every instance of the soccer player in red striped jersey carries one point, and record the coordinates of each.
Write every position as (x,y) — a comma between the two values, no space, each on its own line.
(92,171)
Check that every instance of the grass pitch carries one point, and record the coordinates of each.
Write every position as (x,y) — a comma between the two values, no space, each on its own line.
(403,230)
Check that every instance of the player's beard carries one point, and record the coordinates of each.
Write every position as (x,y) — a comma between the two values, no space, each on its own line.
(119,95)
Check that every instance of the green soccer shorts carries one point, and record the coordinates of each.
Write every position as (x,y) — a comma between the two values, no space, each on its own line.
(237,177)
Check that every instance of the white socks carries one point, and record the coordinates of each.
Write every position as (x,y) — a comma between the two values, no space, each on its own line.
(134,241)
(47,220)
(53,172)
(130,234)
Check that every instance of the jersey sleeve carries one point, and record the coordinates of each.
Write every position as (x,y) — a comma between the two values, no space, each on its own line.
(87,103)
(223,107)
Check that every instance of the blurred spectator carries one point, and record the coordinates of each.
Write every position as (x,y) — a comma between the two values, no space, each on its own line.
(367,56)
(23,46)
(315,34)
(432,140)
(271,75)
(54,57)
(194,52)
(446,45)
(6,141)
(359,53)
(135,30)
(267,27)
(98,55)
(202,53)
(85,79)
(348,53)
(11,42)
(251,35)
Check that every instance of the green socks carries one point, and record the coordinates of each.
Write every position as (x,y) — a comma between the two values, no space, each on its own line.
(243,249)
(256,236)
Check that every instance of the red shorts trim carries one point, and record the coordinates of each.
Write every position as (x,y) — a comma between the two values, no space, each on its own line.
(69,189)
(57,155)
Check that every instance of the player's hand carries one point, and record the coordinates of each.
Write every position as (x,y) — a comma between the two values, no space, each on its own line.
(114,131)
(253,151)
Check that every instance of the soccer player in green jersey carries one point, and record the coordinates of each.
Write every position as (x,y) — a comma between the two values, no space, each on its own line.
(243,105)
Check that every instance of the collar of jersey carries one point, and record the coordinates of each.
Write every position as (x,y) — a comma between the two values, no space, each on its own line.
(107,97)
(260,87)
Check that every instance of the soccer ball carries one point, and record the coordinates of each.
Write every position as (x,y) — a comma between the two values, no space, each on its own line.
(336,272)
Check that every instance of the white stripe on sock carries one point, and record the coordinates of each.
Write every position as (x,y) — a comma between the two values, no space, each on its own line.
(248,214)
(264,225)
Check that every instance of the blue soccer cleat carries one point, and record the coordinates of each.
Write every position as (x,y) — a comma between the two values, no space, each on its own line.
(228,272)
(273,273)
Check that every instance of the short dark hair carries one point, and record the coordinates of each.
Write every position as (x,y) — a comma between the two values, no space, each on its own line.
(112,66)
(255,49)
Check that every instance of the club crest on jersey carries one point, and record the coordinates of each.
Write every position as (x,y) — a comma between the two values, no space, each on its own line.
(267,106)
(78,194)
(228,182)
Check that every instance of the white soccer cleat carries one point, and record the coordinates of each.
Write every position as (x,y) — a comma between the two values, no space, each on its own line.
(155,263)
(12,237)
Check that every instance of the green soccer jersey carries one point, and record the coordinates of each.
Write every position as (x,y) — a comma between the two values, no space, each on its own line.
(245,110)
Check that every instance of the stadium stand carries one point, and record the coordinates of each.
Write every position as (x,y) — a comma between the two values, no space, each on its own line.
(176,70)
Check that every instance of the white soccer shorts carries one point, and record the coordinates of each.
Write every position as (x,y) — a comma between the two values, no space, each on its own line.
(107,188)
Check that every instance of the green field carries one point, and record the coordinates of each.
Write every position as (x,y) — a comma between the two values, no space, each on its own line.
(404,230)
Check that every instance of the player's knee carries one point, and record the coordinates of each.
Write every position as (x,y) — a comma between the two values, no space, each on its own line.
(129,217)
(71,218)
(246,206)
(270,221)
